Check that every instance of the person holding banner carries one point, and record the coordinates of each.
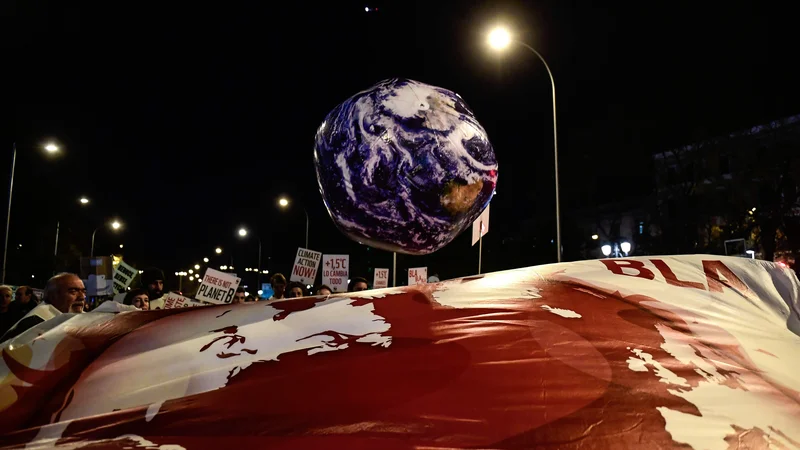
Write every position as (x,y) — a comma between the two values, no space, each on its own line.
(357,284)
(278,286)
(296,290)
(138,298)
(153,282)
(323,290)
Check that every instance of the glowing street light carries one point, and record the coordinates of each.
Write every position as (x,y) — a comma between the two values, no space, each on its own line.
(242,232)
(218,251)
(84,201)
(284,202)
(51,148)
(205,260)
(191,271)
(197,267)
(115,225)
(606,249)
(595,237)
(500,39)
(625,247)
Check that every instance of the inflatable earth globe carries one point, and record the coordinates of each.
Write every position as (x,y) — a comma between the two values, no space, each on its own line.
(404,166)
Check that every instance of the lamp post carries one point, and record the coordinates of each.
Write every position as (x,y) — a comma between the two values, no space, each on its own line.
(283,202)
(116,225)
(243,233)
(50,148)
(500,39)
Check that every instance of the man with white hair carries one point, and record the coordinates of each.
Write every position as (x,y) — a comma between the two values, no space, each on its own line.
(64,293)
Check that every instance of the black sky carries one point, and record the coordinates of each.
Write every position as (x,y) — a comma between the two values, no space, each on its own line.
(187,121)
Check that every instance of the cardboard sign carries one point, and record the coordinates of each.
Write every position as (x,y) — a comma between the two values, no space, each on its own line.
(123,276)
(306,265)
(173,300)
(336,271)
(481,226)
(381,279)
(417,276)
(217,287)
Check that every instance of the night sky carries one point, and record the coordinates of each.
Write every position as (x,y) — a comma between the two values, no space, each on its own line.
(189,121)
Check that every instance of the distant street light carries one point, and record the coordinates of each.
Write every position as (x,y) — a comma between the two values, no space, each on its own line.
(243,233)
(500,39)
(218,251)
(191,271)
(606,249)
(205,260)
(197,266)
(121,245)
(116,225)
(595,237)
(51,148)
(625,247)
(284,202)
(84,201)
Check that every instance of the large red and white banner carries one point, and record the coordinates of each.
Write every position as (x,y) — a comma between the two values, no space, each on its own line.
(683,352)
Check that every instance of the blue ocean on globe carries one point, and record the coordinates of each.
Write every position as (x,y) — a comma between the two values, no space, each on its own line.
(404,166)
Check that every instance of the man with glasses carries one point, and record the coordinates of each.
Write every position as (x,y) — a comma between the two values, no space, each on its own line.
(64,293)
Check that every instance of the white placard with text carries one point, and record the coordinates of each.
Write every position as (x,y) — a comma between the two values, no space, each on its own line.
(417,276)
(217,287)
(381,279)
(336,271)
(306,264)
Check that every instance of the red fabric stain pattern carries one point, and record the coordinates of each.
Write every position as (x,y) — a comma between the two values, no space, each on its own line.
(510,376)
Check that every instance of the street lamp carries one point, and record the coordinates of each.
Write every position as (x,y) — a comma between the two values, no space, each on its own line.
(116,225)
(500,39)
(243,233)
(625,247)
(197,267)
(284,202)
(51,148)
(84,201)
(606,249)
(205,260)
(218,251)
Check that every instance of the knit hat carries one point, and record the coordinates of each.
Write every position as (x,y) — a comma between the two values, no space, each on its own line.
(150,275)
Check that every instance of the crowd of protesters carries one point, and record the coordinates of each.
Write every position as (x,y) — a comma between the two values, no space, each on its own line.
(65,293)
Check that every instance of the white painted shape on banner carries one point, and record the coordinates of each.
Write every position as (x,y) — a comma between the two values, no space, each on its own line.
(336,271)
(217,287)
(306,265)
(417,276)
(481,226)
(381,279)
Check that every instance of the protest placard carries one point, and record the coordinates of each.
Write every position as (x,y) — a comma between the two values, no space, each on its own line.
(306,264)
(217,287)
(123,276)
(336,271)
(481,226)
(381,279)
(417,276)
(173,300)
